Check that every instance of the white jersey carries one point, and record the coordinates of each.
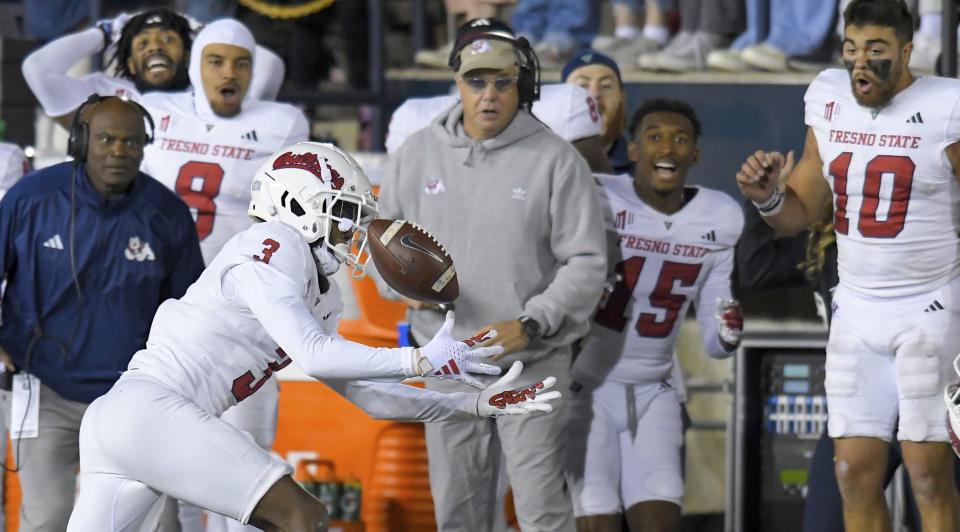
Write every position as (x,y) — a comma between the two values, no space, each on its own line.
(46,72)
(661,264)
(258,305)
(106,85)
(896,200)
(210,164)
(414,115)
(13,166)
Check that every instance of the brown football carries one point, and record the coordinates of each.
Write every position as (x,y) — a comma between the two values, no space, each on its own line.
(411,261)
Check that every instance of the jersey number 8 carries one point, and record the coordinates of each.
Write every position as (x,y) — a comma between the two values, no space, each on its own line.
(209,177)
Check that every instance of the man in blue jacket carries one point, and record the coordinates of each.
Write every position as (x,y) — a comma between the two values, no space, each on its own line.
(89,250)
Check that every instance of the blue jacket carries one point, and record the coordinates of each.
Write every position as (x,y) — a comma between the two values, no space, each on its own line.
(131,255)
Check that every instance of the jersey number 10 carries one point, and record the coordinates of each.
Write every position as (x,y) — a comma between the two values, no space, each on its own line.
(901,168)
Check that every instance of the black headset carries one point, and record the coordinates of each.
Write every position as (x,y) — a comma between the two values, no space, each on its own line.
(80,129)
(528,83)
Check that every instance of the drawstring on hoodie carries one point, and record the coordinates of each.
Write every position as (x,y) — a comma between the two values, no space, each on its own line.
(475,147)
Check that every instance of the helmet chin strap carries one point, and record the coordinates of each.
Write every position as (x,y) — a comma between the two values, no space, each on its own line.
(325,259)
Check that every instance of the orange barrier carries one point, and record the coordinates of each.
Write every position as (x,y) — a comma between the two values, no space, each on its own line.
(398,495)
(11,492)
(377,324)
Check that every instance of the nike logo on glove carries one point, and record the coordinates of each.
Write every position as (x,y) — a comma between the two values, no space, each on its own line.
(407,241)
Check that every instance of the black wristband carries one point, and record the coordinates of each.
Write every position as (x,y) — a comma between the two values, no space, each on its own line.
(107,38)
(531,328)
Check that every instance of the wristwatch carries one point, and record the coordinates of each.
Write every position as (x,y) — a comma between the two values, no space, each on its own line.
(531,328)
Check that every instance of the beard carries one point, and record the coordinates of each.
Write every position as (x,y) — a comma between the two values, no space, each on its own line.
(886,77)
(178,82)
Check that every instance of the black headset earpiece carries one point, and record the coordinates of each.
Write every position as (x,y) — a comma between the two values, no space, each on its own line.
(80,131)
(79,139)
(528,83)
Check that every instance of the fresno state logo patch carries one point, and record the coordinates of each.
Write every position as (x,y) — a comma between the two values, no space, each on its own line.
(311,163)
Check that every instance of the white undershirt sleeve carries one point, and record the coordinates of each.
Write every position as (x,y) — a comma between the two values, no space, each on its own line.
(277,302)
(717,285)
(45,71)
(399,402)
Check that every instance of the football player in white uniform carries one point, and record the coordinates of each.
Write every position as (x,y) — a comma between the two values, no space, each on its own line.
(264,301)
(210,140)
(151,55)
(209,143)
(670,245)
(885,146)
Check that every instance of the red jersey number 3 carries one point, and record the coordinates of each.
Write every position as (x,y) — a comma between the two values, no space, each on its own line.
(272,247)
(246,385)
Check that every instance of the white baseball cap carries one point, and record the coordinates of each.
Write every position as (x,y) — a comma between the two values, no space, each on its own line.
(569,111)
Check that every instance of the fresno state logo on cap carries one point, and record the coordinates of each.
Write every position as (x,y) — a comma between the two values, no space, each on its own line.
(309,162)
(480,46)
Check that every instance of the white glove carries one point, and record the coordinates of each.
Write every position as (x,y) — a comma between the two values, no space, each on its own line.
(112,28)
(729,321)
(446,358)
(498,399)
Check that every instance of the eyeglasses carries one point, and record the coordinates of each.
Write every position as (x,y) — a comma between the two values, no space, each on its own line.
(478,85)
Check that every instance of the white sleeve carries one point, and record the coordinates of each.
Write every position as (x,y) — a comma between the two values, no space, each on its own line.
(12,168)
(45,71)
(299,132)
(399,402)
(717,285)
(276,301)
(268,73)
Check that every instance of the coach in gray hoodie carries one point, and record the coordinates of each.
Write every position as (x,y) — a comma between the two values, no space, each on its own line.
(515,206)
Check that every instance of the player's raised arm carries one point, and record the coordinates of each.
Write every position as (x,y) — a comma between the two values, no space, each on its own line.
(45,71)
(795,205)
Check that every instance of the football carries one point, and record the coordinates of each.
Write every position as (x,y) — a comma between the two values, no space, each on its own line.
(412,261)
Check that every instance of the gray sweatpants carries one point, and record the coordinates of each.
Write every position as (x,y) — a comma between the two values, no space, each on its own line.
(48,463)
(465,460)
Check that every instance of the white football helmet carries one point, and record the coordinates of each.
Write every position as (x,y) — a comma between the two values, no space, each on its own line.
(951,396)
(317,188)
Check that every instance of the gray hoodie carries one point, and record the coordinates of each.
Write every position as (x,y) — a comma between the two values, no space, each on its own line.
(520,217)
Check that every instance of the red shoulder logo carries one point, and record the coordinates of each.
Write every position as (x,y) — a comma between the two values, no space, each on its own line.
(311,163)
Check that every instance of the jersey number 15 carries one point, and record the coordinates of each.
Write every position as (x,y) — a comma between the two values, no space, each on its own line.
(612,315)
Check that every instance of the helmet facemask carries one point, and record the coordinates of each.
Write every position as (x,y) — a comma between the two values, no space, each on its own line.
(344,229)
(951,396)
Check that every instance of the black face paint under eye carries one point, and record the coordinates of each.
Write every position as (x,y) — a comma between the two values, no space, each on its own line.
(881,68)
(849,65)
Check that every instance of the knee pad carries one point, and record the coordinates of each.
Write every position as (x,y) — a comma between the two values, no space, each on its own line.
(842,375)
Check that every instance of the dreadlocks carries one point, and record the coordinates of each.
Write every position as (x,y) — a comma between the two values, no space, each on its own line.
(154,17)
